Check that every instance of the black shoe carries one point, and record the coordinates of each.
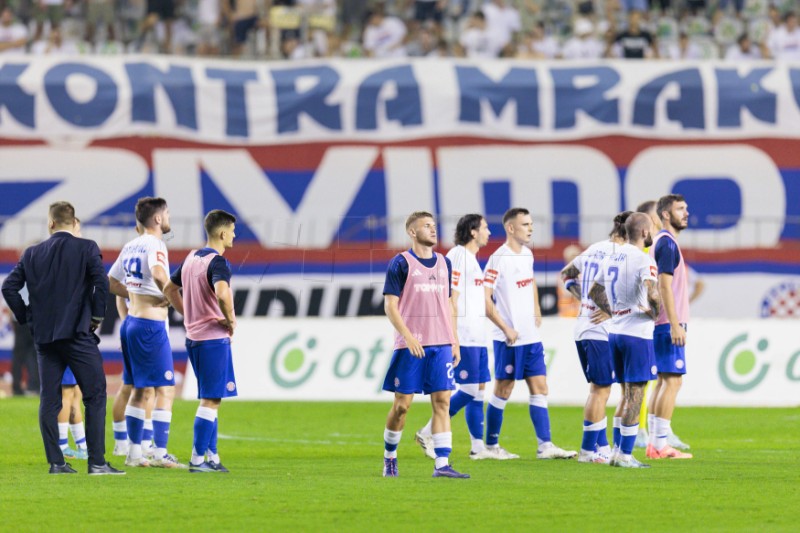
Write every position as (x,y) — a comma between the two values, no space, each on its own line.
(218,467)
(105,470)
(66,468)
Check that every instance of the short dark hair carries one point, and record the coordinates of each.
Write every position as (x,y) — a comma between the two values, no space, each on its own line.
(62,213)
(665,203)
(416,215)
(147,207)
(619,225)
(513,212)
(464,227)
(636,222)
(217,218)
(646,207)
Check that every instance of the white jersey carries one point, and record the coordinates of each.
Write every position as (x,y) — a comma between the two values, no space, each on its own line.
(588,264)
(136,261)
(511,277)
(623,274)
(468,281)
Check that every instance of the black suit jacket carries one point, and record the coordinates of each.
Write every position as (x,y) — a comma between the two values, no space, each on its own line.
(66,283)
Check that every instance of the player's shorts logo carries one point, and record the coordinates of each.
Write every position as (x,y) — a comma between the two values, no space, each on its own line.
(231,386)
(614,375)
(679,364)
(168,374)
(509,369)
(654,370)
(463,374)
(396,382)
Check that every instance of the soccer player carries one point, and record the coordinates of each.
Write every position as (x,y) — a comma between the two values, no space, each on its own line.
(591,339)
(207,308)
(512,304)
(70,419)
(146,264)
(628,277)
(472,234)
(670,330)
(419,305)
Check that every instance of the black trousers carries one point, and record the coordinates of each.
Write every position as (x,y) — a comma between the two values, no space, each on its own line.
(83,357)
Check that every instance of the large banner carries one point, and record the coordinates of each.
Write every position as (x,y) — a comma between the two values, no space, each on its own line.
(322,161)
(729,363)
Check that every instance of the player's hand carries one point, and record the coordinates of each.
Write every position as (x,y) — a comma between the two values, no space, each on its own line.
(163,303)
(94,325)
(648,312)
(456,355)
(538,321)
(599,316)
(230,326)
(511,336)
(415,347)
(678,335)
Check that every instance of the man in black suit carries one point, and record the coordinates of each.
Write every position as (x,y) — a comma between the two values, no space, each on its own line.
(67,289)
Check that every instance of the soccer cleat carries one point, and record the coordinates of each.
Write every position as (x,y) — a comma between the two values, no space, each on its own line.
(149,452)
(554,452)
(593,457)
(390,467)
(202,467)
(674,441)
(218,467)
(447,471)
(82,453)
(426,443)
(667,452)
(69,453)
(138,461)
(500,453)
(168,461)
(641,439)
(121,449)
(483,454)
(630,462)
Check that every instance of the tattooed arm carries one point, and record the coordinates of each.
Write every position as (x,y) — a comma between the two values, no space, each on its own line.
(653,299)
(598,294)
(570,274)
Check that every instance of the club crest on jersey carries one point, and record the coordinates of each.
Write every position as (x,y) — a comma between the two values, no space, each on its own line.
(463,374)
(396,382)
(509,369)
(654,370)
(679,364)
(231,386)
(169,375)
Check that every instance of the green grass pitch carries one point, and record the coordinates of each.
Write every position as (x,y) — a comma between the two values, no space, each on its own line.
(317,467)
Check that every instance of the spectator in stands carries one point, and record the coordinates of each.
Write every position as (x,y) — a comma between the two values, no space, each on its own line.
(583,44)
(423,43)
(158,10)
(684,49)
(243,17)
(209,19)
(429,11)
(630,6)
(635,42)
(744,50)
(536,44)
(54,45)
(321,17)
(738,6)
(51,11)
(99,12)
(353,14)
(784,43)
(475,39)
(384,35)
(502,22)
(13,35)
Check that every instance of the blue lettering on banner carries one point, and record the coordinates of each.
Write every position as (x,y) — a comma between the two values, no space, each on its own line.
(235,101)
(177,83)
(714,203)
(405,108)
(292,103)
(736,92)
(88,114)
(519,84)
(687,109)
(794,79)
(18,103)
(570,99)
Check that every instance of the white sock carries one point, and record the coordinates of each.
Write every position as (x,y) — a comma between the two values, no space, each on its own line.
(426,431)
(651,429)
(197,459)
(78,434)
(662,431)
(148,425)
(617,422)
(443,440)
(214,458)
(391,437)
(63,433)
(120,427)
(477,445)
(135,451)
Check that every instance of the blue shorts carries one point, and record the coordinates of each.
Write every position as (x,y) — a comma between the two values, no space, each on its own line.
(596,362)
(474,365)
(414,375)
(518,362)
(150,353)
(69,378)
(670,359)
(634,358)
(127,376)
(213,366)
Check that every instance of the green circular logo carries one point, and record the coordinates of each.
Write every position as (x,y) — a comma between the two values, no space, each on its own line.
(739,365)
(287,362)
(293,360)
(744,362)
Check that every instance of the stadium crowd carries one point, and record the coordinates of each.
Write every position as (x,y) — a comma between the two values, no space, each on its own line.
(299,29)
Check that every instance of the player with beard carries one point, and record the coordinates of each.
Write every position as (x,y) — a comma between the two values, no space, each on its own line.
(669,337)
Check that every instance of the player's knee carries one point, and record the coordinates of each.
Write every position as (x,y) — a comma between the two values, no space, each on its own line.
(400,409)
